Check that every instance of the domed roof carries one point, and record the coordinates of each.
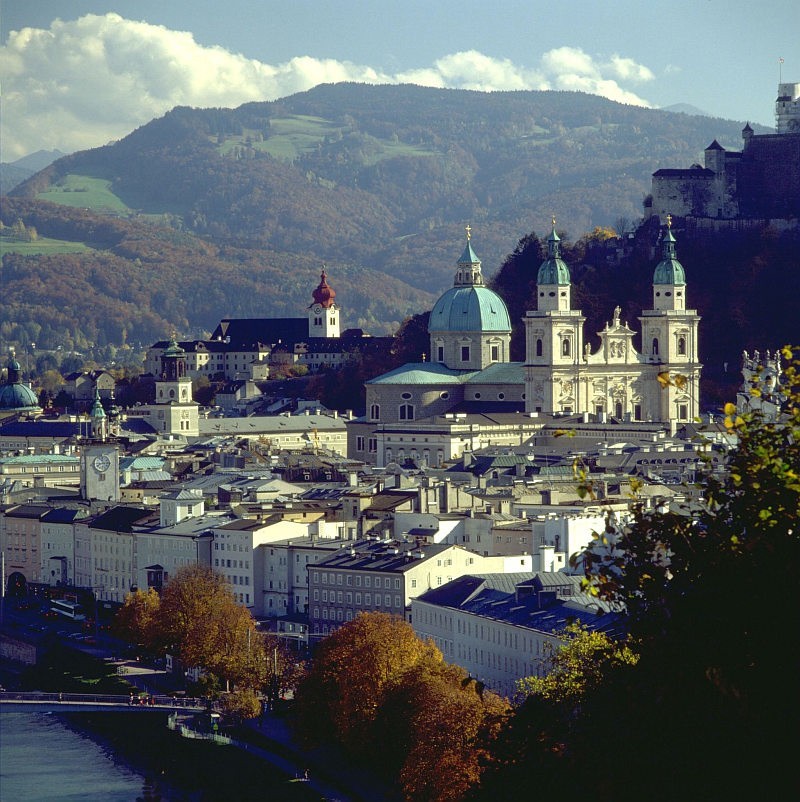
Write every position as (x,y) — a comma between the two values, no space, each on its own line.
(475,308)
(469,305)
(173,349)
(554,269)
(14,395)
(324,293)
(669,270)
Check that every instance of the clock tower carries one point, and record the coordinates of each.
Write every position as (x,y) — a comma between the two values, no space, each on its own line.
(99,459)
(323,314)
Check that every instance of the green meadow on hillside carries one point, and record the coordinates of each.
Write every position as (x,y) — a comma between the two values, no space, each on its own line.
(42,246)
(84,192)
(291,137)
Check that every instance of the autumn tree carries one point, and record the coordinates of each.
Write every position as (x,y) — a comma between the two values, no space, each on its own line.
(352,671)
(139,621)
(449,723)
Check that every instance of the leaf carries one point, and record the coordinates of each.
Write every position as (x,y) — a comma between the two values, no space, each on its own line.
(729,409)
(564,433)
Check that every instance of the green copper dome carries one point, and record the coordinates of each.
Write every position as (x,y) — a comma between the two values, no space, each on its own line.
(14,395)
(554,269)
(669,270)
(469,305)
(474,308)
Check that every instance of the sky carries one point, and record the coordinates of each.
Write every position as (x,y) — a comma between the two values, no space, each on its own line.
(81,73)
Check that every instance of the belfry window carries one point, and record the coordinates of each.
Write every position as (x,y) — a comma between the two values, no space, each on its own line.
(682,346)
(655,346)
(440,353)
(465,353)
(539,346)
(566,348)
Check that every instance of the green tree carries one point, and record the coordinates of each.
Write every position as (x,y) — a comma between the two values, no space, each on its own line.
(712,616)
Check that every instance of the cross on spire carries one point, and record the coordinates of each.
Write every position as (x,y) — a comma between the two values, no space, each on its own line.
(468,229)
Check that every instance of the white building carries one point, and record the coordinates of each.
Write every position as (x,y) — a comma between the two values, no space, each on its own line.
(500,627)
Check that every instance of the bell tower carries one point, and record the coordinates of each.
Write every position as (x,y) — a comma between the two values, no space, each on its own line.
(670,338)
(323,314)
(553,338)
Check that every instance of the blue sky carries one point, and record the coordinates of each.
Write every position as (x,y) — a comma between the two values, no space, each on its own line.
(105,68)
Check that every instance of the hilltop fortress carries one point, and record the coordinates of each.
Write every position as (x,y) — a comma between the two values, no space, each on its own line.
(760,182)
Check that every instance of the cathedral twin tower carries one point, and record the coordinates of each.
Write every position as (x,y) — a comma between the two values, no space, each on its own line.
(563,375)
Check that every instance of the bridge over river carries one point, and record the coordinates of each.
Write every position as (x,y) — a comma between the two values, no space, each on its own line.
(39,702)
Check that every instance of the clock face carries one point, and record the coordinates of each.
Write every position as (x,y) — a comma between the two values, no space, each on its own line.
(101,463)
(317,309)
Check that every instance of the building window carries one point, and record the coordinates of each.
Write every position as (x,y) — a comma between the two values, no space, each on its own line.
(539,346)
(465,353)
(359,443)
(683,411)
(373,445)
(375,412)
(566,347)
(406,412)
(440,353)
(637,411)
(682,346)
(655,346)
(495,353)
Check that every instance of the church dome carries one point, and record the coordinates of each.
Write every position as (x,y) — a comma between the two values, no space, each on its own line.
(324,293)
(469,305)
(554,269)
(14,395)
(669,270)
(474,308)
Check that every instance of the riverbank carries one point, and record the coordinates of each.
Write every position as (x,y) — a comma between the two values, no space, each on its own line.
(182,770)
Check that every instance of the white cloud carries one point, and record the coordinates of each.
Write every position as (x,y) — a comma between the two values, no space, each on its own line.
(82,83)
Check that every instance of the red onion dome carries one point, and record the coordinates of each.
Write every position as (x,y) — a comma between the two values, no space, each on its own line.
(324,294)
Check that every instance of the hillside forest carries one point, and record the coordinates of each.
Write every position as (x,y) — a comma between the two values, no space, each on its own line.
(211,213)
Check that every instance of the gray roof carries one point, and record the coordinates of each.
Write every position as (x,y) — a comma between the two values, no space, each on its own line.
(495,596)
(270,424)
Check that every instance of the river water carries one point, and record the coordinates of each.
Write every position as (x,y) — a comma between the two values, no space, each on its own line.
(42,759)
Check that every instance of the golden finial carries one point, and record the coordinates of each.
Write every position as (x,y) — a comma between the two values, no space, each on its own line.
(669,221)
(554,221)
(468,229)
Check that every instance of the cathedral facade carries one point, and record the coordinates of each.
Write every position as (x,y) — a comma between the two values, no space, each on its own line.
(563,375)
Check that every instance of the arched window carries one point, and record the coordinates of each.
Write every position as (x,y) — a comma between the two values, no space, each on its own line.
(539,346)
(375,412)
(406,412)
(682,346)
(565,347)
(618,409)
(655,346)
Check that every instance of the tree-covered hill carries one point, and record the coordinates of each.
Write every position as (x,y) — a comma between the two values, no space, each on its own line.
(233,211)
(136,282)
(349,172)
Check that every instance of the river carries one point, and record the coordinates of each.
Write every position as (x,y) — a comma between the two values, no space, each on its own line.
(47,758)
(43,759)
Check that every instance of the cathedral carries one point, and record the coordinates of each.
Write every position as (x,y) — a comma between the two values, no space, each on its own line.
(470,332)
(562,374)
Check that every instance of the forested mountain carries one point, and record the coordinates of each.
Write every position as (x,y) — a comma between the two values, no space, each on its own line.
(224,212)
